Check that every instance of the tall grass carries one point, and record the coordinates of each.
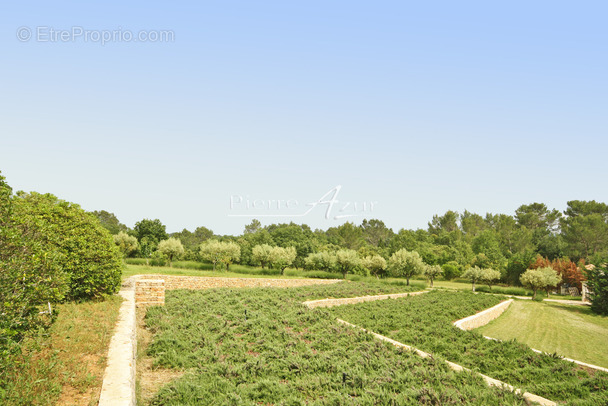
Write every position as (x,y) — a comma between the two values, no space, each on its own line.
(66,363)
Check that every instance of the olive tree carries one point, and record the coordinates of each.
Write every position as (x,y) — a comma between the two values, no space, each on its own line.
(230,252)
(126,243)
(405,264)
(324,261)
(540,278)
(262,254)
(552,278)
(347,261)
(375,264)
(431,272)
(211,251)
(171,248)
(474,275)
(490,276)
(283,257)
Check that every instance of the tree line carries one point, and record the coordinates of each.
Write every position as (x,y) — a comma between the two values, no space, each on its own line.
(454,241)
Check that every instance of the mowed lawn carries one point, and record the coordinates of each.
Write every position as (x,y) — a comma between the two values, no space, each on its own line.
(571,331)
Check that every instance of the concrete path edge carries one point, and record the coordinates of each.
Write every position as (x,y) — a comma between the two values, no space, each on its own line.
(118,388)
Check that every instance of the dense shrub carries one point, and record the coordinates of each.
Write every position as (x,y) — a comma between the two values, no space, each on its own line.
(451,270)
(29,277)
(597,280)
(158,259)
(83,249)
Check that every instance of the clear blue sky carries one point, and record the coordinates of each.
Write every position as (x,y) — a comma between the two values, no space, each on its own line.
(420,107)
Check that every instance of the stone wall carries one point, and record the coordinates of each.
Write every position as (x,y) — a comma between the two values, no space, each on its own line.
(150,289)
(351,300)
(150,292)
(482,318)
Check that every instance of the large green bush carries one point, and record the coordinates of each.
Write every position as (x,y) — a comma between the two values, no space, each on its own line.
(85,250)
(29,277)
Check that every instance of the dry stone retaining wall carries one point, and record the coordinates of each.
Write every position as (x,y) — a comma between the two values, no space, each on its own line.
(482,318)
(150,292)
(351,300)
(150,289)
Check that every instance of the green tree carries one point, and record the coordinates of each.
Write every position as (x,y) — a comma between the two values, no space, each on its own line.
(346,261)
(540,278)
(405,264)
(87,250)
(253,227)
(490,276)
(283,257)
(126,243)
(294,235)
(171,248)
(474,275)
(597,281)
(376,233)
(488,244)
(444,224)
(431,272)
(230,252)
(538,218)
(346,236)
(517,265)
(324,261)
(585,229)
(451,270)
(149,233)
(552,278)
(109,221)
(262,254)
(472,225)
(211,251)
(192,240)
(375,264)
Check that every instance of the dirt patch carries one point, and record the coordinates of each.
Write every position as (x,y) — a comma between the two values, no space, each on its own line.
(72,395)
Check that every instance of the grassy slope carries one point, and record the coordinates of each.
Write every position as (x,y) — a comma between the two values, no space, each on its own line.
(65,367)
(571,331)
(261,346)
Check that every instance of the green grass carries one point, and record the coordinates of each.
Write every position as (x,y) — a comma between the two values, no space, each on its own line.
(235,272)
(261,346)
(572,331)
(425,322)
(64,365)
(460,284)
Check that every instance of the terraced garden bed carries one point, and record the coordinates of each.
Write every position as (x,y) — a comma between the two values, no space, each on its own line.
(425,322)
(262,346)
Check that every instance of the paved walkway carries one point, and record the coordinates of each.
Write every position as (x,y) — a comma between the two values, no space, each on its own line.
(118,388)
